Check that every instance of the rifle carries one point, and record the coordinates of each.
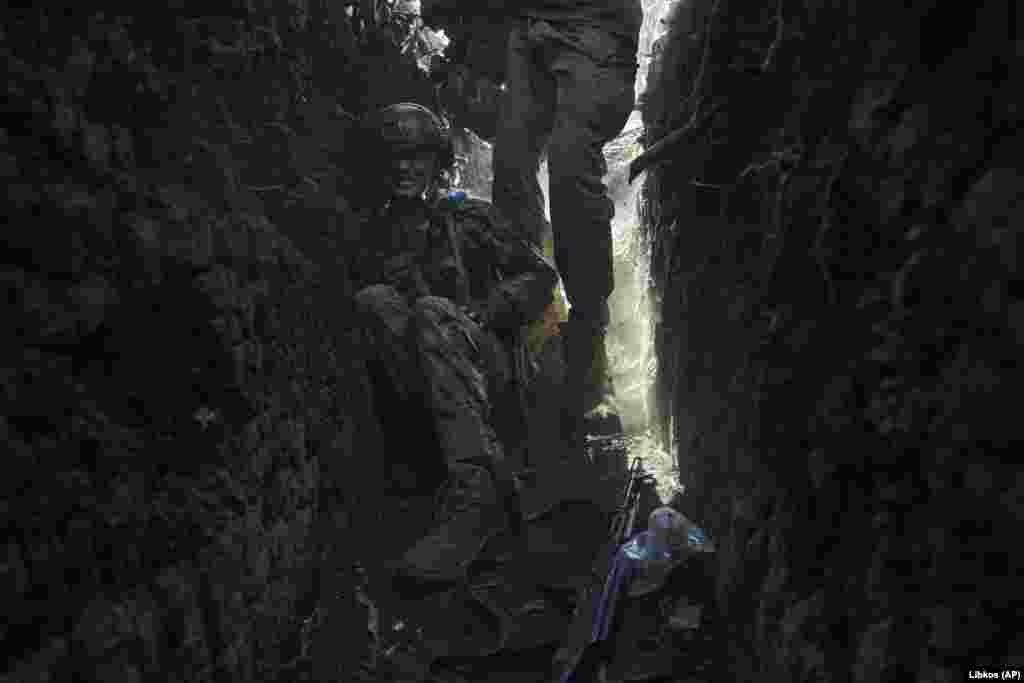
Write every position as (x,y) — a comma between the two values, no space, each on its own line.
(596,616)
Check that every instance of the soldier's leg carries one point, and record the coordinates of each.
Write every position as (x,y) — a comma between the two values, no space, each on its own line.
(454,359)
(384,322)
(482,491)
(456,385)
(524,124)
(395,388)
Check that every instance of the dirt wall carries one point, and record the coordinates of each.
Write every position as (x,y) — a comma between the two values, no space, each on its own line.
(182,409)
(834,250)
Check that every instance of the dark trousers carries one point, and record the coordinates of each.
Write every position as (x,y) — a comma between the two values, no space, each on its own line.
(569,91)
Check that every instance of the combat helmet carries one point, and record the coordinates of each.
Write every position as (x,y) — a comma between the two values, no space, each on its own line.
(408,126)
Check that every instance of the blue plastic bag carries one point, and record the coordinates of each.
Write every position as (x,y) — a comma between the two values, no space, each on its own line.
(669,541)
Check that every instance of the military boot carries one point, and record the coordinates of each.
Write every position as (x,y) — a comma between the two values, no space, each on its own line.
(471,510)
(590,406)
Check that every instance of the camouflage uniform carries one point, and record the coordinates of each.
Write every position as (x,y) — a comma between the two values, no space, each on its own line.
(413,300)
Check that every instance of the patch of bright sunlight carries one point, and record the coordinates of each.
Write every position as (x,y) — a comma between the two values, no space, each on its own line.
(657,462)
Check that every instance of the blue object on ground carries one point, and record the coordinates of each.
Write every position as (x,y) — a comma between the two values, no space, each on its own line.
(647,547)
(622,571)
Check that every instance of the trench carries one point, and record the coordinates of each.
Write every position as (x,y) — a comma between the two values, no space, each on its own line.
(511,622)
(816,334)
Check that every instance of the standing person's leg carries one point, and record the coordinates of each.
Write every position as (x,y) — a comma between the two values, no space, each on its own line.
(524,124)
(595,99)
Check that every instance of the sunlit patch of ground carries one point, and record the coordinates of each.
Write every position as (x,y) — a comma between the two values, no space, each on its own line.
(656,461)
(625,447)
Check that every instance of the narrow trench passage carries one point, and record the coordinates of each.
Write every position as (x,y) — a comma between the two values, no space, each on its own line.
(512,620)
(823,260)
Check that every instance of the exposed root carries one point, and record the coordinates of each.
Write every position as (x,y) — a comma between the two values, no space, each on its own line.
(664,148)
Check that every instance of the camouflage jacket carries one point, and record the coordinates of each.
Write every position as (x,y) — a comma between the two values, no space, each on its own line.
(504,274)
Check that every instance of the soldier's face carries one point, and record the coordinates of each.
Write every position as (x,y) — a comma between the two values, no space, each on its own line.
(411,174)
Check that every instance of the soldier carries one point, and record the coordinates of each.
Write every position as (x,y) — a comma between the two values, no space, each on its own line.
(439,282)
(568,79)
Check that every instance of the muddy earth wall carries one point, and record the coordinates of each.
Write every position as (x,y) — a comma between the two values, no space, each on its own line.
(834,250)
(179,393)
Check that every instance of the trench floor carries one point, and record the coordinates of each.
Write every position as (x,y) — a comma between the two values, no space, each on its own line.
(510,621)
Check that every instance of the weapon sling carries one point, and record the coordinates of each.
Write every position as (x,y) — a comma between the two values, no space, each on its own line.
(462,286)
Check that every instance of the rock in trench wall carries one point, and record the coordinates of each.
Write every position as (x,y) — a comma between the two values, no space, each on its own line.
(834,252)
(181,403)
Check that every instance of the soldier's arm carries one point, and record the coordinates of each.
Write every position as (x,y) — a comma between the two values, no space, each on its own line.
(528,276)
